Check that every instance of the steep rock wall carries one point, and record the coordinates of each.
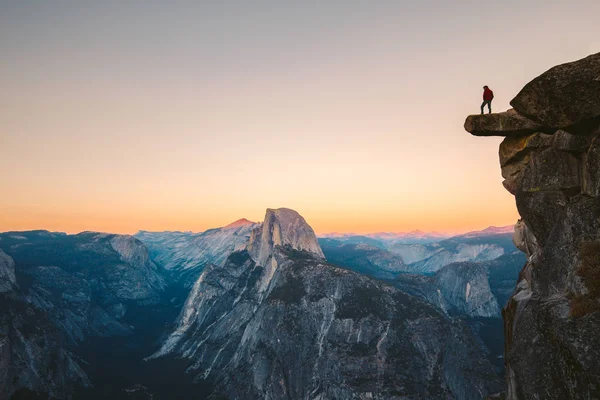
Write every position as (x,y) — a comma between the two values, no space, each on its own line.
(552,346)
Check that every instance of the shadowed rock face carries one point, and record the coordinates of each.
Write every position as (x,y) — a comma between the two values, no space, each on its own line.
(65,290)
(32,353)
(552,345)
(7,273)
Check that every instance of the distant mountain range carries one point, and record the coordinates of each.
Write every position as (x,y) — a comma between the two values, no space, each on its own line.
(389,255)
(417,236)
(251,310)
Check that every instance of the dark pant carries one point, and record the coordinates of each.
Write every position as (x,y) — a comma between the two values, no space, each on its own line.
(489,104)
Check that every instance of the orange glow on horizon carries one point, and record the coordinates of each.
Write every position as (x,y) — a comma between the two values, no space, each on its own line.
(124,117)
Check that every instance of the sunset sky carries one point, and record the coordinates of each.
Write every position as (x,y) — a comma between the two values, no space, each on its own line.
(119,116)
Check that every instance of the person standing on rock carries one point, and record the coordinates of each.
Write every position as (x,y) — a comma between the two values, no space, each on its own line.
(488,96)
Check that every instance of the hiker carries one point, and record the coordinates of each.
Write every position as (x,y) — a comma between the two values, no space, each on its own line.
(488,96)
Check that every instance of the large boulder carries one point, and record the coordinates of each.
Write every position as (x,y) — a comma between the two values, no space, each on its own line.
(508,123)
(566,96)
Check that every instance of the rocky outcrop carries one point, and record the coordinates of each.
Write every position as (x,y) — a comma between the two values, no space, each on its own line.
(552,348)
(565,97)
(508,123)
(8,280)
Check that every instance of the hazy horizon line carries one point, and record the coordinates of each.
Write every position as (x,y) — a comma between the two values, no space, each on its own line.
(439,233)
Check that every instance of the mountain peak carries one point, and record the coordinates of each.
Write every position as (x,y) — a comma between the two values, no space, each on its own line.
(239,224)
(283,227)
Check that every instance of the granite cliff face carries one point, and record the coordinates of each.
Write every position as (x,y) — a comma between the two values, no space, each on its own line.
(276,321)
(552,346)
(282,227)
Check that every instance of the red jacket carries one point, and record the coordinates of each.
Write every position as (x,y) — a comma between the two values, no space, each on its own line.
(488,95)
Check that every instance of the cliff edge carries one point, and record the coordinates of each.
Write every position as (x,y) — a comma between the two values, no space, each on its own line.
(550,160)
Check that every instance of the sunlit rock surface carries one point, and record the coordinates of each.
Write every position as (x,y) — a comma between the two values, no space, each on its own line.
(508,123)
(283,227)
(565,97)
(300,328)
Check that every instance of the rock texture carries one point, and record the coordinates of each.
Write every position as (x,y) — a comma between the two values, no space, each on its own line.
(552,347)
(7,273)
(283,227)
(33,355)
(277,322)
(508,123)
(65,290)
(565,97)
